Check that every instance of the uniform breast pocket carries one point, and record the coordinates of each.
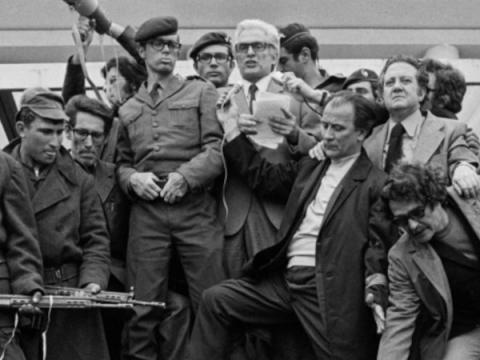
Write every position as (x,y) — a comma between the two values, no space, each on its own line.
(135,127)
(184,114)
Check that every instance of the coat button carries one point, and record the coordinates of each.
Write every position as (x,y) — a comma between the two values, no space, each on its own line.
(155,124)
(154,112)
(156,148)
(156,136)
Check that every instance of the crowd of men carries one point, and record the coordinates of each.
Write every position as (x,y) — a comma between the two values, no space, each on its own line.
(356,237)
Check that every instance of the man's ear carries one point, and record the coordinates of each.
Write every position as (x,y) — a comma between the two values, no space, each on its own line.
(362,135)
(305,55)
(20,127)
(69,131)
(443,100)
(141,51)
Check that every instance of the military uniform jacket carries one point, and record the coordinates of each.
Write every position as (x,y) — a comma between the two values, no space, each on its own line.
(178,133)
(70,220)
(20,258)
(418,282)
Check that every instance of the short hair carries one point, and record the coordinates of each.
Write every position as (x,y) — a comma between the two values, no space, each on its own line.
(91,106)
(269,30)
(294,37)
(364,116)
(421,75)
(448,81)
(133,72)
(426,184)
(27,116)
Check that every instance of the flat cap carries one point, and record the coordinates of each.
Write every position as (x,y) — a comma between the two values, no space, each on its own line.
(210,38)
(158,26)
(43,102)
(361,75)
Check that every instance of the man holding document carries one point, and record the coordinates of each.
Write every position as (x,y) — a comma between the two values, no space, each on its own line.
(284,127)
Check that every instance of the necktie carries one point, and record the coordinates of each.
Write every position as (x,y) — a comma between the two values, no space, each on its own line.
(252,89)
(394,147)
(155,92)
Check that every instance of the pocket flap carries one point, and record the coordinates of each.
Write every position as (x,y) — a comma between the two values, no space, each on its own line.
(183,104)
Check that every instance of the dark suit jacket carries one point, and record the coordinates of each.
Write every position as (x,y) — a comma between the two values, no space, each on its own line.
(349,245)
(441,141)
(238,195)
(418,281)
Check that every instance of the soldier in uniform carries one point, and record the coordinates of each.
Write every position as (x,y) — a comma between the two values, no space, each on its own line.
(169,155)
(72,231)
(213,58)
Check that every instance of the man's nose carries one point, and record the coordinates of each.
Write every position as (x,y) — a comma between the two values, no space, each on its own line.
(412,225)
(56,140)
(327,133)
(88,142)
(250,51)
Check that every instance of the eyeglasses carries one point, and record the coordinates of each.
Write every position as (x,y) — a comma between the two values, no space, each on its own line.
(414,214)
(206,58)
(429,89)
(159,44)
(82,134)
(256,47)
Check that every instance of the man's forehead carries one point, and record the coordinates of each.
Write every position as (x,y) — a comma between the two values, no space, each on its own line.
(360,84)
(401,69)
(402,207)
(45,123)
(341,113)
(251,35)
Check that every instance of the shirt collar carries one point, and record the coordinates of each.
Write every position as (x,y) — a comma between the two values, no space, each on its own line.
(262,84)
(411,123)
(346,159)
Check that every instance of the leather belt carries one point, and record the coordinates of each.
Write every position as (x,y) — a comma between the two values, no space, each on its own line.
(63,272)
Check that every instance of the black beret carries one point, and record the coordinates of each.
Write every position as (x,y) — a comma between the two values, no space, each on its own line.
(211,38)
(361,75)
(159,26)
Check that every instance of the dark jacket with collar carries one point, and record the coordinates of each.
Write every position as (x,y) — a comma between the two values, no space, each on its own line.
(20,258)
(70,220)
(418,282)
(349,245)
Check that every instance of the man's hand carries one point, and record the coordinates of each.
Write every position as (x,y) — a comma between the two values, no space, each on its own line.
(144,185)
(175,188)
(465,181)
(473,141)
(317,152)
(85,28)
(93,288)
(301,90)
(227,116)
(378,313)
(32,308)
(286,126)
(247,124)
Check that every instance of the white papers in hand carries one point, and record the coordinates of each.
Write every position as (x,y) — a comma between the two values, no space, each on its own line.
(265,105)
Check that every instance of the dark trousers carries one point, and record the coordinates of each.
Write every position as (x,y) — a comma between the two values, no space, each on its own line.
(275,299)
(13,351)
(191,228)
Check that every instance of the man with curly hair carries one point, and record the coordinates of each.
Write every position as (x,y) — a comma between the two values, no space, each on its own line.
(434,269)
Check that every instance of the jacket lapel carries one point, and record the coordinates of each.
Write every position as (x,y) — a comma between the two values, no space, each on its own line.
(51,191)
(375,143)
(431,266)
(357,173)
(104,180)
(174,84)
(430,137)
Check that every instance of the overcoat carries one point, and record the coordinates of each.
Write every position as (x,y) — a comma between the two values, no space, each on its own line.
(350,245)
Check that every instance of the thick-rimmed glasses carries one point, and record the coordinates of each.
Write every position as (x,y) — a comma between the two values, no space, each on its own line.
(206,58)
(82,134)
(256,46)
(414,214)
(159,44)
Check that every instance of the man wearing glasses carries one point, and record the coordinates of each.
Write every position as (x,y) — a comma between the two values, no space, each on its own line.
(168,157)
(434,268)
(213,58)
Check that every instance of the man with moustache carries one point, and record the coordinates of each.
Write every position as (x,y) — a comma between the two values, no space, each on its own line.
(434,268)
(411,135)
(168,158)
(71,227)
